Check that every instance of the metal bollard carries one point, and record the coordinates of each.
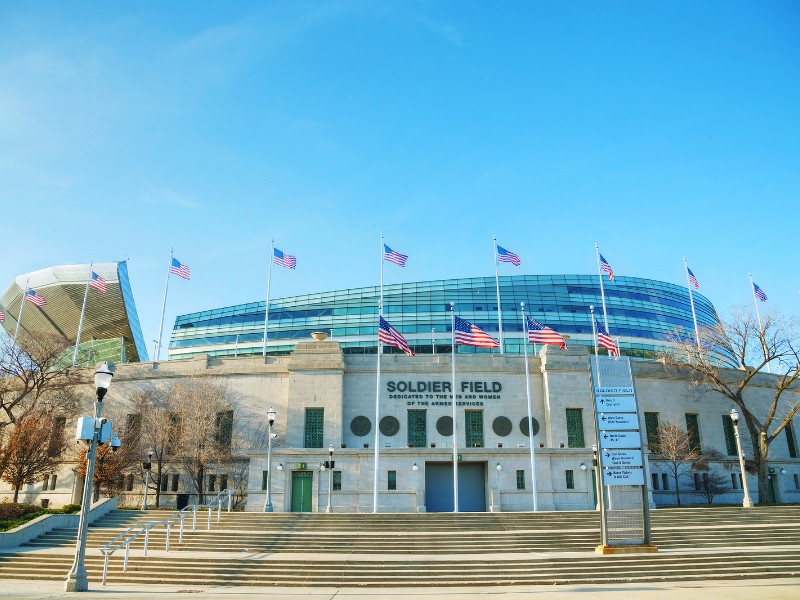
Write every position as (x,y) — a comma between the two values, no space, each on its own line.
(180,531)
(194,519)
(146,539)
(125,562)
(219,509)
(210,510)
(230,499)
(169,528)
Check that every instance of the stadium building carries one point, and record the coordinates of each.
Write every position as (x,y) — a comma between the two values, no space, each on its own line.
(642,313)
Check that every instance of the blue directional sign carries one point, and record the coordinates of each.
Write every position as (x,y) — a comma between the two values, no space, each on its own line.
(623,477)
(620,439)
(621,458)
(617,421)
(623,404)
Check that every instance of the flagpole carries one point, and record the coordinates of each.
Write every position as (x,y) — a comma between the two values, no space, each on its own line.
(596,355)
(80,322)
(163,308)
(530,407)
(758,314)
(455,428)
(23,298)
(691,302)
(378,393)
(266,305)
(497,285)
(602,289)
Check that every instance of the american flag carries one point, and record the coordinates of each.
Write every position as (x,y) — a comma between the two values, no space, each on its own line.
(692,279)
(395,257)
(606,267)
(604,339)
(179,269)
(284,260)
(759,293)
(97,282)
(542,334)
(504,255)
(472,335)
(32,296)
(389,335)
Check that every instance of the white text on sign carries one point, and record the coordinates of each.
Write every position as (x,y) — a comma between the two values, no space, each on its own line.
(621,458)
(616,421)
(623,477)
(620,439)
(615,404)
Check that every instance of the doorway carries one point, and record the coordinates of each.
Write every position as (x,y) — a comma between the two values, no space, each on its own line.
(439,487)
(301,490)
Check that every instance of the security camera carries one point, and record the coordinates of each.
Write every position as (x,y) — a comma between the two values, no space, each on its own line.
(115,443)
(274,435)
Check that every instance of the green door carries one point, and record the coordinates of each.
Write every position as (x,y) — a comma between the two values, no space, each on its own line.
(301,490)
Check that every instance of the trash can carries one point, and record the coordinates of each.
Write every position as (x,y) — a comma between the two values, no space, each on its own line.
(45,502)
(181,501)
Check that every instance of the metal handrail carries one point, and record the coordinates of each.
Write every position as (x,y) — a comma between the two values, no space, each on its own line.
(144,528)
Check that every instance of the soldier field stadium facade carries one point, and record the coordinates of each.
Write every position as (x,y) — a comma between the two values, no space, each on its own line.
(324,395)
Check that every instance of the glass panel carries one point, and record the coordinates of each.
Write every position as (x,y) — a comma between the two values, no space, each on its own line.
(693,431)
(730,437)
(417,429)
(575,428)
(473,425)
(520,479)
(651,426)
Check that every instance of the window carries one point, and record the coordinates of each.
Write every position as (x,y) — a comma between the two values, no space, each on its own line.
(57,439)
(520,479)
(53,481)
(263,480)
(790,440)
(129,483)
(734,481)
(651,427)
(797,482)
(392,481)
(730,436)
(315,419)
(693,431)
(417,429)
(337,481)
(46,482)
(570,477)
(224,432)
(665,481)
(654,477)
(164,483)
(575,428)
(698,485)
(473,428)
(175,480)
(212,483)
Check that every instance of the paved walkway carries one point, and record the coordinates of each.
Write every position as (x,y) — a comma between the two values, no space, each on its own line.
(762,589)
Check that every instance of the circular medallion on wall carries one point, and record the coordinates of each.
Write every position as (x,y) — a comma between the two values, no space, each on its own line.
(502,426)
(389,426)
(523,427)
(445,425)
(360,426)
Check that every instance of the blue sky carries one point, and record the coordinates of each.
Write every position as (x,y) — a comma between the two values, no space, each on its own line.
(656,129)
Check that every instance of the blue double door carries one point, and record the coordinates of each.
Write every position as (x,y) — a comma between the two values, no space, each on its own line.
(471,487)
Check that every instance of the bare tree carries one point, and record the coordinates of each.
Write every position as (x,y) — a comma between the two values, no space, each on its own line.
(675,447)
(33,450)
(709,481)
(202,413)
(35,376)
(753,347)
(157,426)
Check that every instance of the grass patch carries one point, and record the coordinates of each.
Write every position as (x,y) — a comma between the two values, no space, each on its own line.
(13,515)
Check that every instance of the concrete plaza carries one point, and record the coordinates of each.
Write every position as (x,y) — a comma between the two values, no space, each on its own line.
(762,589)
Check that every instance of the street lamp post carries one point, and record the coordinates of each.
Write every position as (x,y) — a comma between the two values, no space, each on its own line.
(746,502)
(146,467)
(328,508)
(268,502)
(76,580)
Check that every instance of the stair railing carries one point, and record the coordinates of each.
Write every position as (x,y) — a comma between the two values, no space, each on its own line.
(125,538)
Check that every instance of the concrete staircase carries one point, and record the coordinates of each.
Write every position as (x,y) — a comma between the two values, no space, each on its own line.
(342,550)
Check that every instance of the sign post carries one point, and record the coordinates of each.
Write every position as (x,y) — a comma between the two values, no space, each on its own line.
(620,464)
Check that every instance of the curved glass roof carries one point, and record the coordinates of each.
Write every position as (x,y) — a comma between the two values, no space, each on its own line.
(643,313)
(111,315)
